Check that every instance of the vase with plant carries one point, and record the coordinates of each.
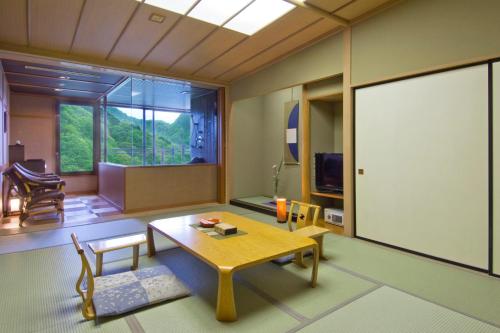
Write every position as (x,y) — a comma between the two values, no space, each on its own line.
(276,177)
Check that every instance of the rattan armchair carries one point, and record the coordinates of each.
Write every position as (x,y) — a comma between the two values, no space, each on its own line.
(38,195)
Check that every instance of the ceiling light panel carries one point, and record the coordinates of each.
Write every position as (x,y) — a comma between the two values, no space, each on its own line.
(258,15)
(217,11)
(178,6)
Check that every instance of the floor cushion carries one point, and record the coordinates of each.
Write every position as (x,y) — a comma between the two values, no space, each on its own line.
(124,292)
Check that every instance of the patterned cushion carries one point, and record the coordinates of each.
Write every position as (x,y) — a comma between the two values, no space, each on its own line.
(124,292)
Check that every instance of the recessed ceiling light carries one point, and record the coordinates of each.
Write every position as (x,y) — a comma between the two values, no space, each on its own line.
(178,6)
(259,14)
(57,89)
(157,18)
(217,11)
(64,77)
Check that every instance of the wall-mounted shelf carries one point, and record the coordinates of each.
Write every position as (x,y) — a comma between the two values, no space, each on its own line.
(328,195)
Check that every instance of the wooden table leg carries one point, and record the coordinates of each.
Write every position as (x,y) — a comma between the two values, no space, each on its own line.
(135,257)
(314,276)
(151,242)
(299,259)
(226,309)
(319,240)
(98,264)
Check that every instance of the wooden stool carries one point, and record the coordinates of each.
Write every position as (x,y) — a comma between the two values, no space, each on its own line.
(107,245)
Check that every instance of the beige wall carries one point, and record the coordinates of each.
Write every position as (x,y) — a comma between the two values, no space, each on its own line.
(273,132)
(326,120)
(169,186)
(112,184)
(81,184)
(256,144)
(419,34)
(133,189)
(33,122)
(321,60)
(245,148)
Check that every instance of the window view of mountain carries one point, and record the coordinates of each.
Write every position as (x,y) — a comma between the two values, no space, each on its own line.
(125,138)
(76,138)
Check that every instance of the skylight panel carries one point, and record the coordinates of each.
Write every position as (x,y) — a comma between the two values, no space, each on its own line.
(217,11)
(178,6)
(258,15)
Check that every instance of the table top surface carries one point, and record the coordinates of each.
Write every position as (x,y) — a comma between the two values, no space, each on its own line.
(262,242)
(106,245)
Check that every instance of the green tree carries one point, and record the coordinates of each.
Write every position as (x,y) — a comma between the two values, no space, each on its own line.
(76,138)
(124,141)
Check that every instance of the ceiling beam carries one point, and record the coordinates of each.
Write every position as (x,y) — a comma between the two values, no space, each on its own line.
(220,55)
(122,32)
(321,12)
(288,54)
(28,22)
(77,25)
(208,35)
(177,21)
(267,48)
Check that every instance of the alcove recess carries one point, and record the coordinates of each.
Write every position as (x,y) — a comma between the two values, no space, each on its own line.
(323,133)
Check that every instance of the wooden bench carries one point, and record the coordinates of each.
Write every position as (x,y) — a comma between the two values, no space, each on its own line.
(107,245)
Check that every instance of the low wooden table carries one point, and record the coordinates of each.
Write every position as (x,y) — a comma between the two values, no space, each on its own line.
(103,246)
(261,243)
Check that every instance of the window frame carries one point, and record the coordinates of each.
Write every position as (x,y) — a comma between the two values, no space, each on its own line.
(144,148)
(95,136)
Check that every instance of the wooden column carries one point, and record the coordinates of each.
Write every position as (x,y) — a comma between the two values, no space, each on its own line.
(222,128)
(348,139)
(305,147)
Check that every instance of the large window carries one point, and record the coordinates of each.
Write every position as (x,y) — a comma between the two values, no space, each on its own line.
(125,137)
(151,137)
(76,138)
(172,131)
(160,123)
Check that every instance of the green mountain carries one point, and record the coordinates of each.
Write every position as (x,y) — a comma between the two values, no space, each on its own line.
(125,139)
(76,138)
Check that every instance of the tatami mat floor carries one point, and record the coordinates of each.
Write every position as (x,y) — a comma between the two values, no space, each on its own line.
(362,287)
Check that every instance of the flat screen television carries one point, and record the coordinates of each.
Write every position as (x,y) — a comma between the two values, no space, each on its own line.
(329,172)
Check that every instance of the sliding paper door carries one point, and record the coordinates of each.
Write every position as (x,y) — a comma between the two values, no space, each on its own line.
(496,168)
(422,146)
